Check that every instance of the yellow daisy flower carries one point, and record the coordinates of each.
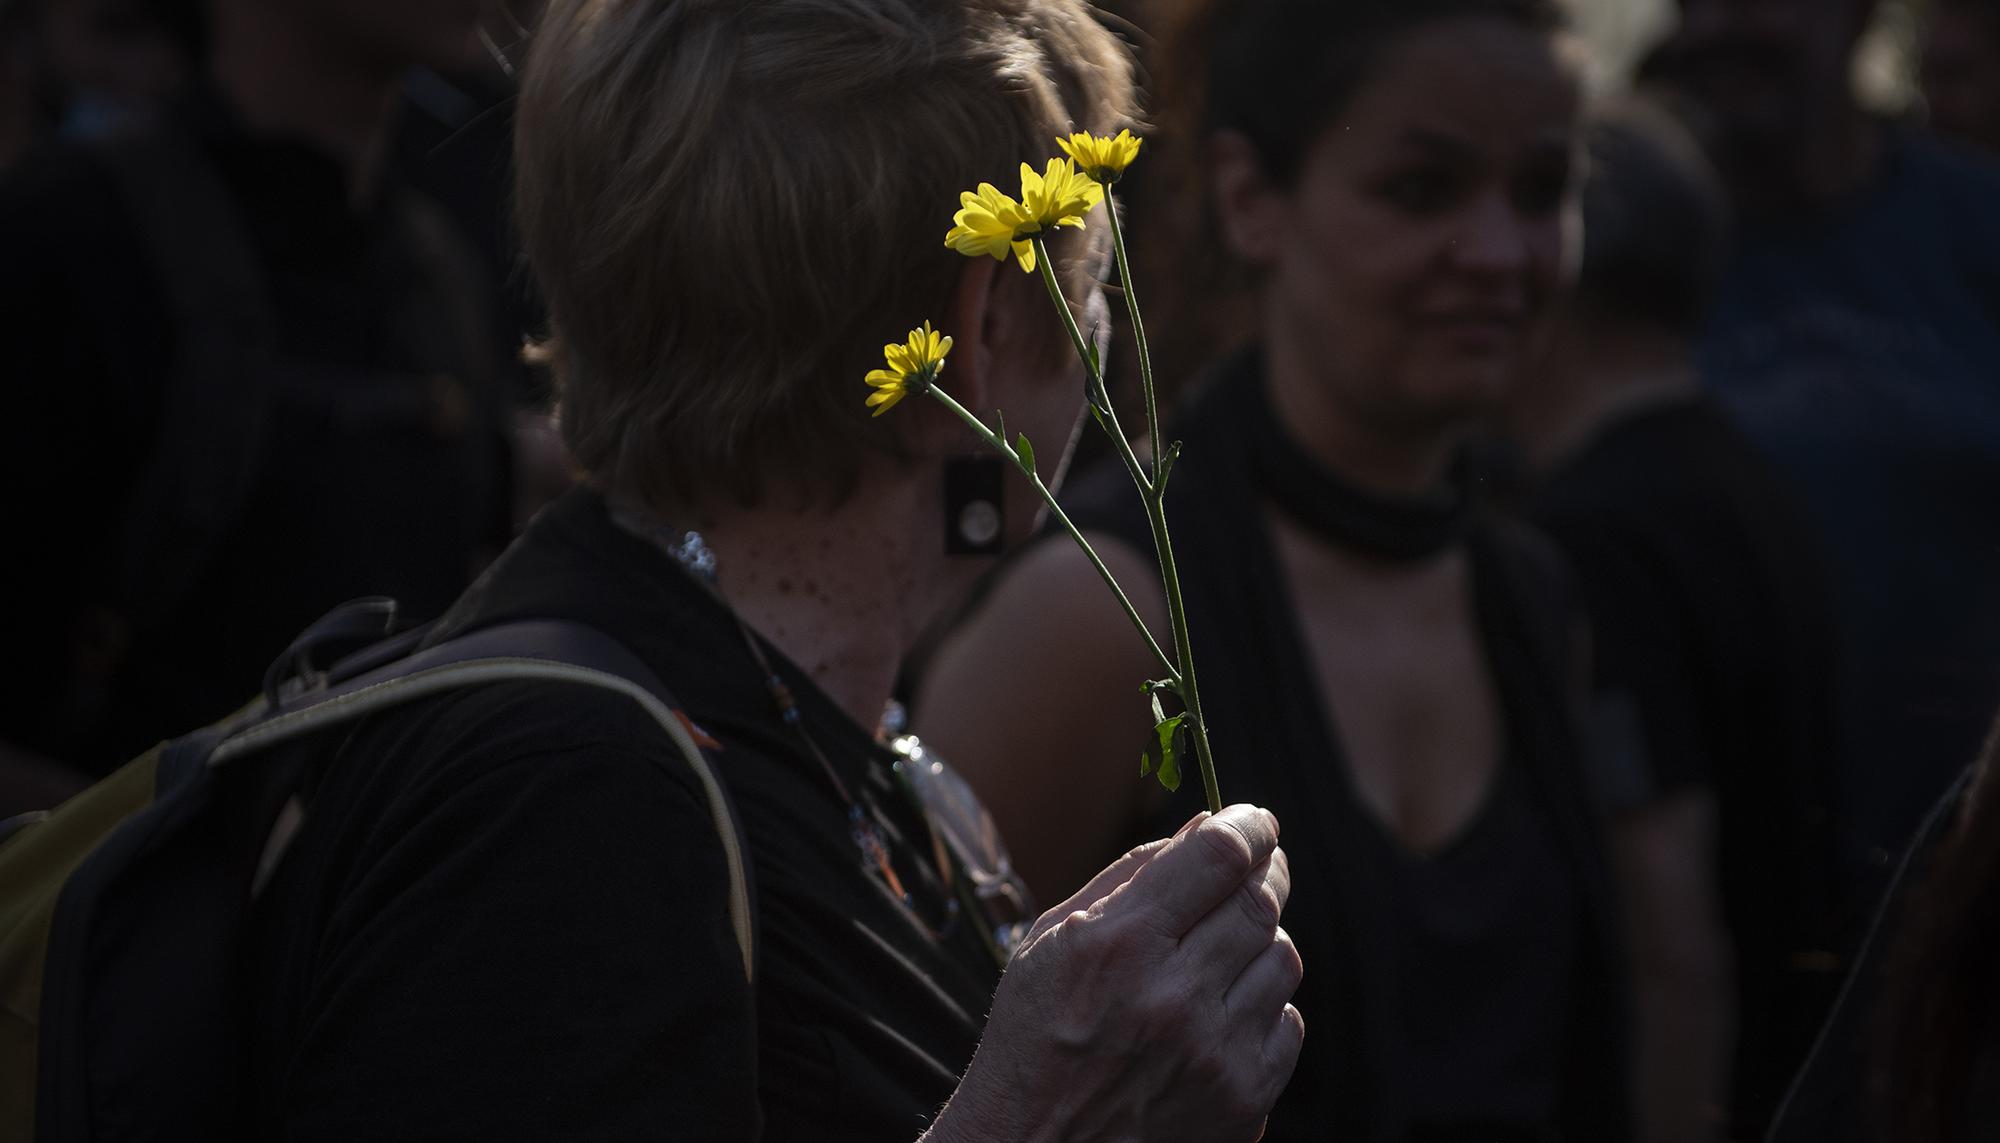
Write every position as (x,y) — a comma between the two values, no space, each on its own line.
(1059,196)
(1103,159)
(913,367)
(989,222)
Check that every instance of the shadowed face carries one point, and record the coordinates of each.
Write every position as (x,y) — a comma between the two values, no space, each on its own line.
(1431,226)
(1961,73)
(1760,68)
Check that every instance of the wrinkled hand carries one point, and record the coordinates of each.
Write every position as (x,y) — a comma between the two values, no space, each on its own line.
(1153,1004)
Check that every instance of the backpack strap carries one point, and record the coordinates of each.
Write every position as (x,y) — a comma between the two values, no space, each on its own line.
(541,649)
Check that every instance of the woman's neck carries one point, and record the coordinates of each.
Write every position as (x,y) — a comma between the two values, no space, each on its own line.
(841,591)
(1391,464)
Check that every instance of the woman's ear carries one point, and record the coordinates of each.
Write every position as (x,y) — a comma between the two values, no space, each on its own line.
(1248,207)
(980,340)
(977,332)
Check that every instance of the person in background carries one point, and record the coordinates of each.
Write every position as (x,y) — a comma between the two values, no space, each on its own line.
(1384,662)
(1855,339)
(1713,649)
(1960,71)
(251,380)
(507,914)
(453,143)
(20,75)
(83,69)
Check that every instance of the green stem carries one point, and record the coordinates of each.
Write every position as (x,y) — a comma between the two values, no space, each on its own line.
(1138,332)
(1116,431)
(1007,450)
(1156,515)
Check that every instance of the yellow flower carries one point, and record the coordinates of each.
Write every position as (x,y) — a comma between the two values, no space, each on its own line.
(991,222)
(1101,158)
(913,366)
(1059,196)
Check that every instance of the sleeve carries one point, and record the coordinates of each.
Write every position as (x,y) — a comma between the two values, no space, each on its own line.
(1647,719)
(541,952)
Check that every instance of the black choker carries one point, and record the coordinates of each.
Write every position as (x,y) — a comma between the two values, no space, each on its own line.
(1347,515)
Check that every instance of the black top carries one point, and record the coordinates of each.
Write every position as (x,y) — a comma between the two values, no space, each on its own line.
(502,921)
(1495,906)
(379,462)
(1377,1076)
(1716,667)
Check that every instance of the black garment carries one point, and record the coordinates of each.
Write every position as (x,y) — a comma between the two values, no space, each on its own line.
(1495,904)
(1277,747)
(1716,667)
(502,921)
(377,461)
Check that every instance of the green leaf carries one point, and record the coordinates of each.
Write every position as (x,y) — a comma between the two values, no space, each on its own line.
(1163,753)
(1090,347)
(1000,419)
(1026,452)
(1167,460)
(1153,689)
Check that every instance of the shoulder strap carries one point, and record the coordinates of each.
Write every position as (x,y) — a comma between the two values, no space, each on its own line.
(542,649)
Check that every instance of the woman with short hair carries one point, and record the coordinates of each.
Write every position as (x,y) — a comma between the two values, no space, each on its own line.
(504,917)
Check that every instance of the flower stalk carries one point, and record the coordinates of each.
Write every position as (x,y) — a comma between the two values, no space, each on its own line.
(992,223)
(1026,465)
(1152,489)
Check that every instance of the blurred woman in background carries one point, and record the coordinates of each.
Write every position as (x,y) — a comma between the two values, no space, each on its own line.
(1385,665)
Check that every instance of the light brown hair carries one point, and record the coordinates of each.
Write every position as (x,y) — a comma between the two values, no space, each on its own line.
(731,206)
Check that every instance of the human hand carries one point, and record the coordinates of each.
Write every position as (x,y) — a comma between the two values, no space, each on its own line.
(1153,1004)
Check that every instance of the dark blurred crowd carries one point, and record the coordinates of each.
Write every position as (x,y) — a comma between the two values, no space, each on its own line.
(263,330)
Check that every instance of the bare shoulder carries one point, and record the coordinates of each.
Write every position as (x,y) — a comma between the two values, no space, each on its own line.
(1035,697)
(1050,621)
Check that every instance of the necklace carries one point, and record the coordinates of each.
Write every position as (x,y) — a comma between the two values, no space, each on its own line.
(1399,528)
(692,554)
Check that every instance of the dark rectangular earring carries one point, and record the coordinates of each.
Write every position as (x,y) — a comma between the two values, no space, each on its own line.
(974,505)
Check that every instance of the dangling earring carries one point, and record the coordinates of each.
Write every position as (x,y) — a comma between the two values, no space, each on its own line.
(974,505)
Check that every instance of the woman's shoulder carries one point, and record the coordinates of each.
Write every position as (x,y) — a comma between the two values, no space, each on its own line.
(541,739)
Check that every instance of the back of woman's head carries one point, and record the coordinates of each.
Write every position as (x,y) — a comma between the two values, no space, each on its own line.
(730,206)
(1656,222)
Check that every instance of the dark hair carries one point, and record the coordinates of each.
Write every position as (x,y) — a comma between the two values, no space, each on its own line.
(1279,71)
(1656,221)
